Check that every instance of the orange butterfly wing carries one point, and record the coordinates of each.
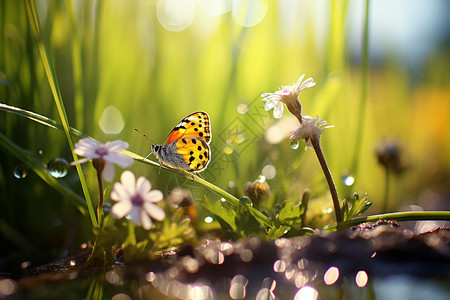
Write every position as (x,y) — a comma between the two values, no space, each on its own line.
(195,125)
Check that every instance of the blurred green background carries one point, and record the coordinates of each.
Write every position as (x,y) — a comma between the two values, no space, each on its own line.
(122,65)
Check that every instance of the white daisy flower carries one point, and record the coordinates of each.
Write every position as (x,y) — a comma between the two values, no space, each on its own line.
(309,129)
(136,199)
(288,94)
(104,156)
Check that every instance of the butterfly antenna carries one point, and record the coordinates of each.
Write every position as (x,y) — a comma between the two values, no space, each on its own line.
(143,134)
(137,130)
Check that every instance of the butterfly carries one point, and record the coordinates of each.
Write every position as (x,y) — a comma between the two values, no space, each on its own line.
(187,145)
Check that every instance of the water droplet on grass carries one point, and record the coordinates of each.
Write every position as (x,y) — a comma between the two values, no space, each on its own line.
(20,171)
(58,167)
(246,201)
(294,144)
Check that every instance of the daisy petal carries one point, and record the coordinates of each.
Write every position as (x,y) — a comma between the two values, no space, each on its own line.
(119,193)
(146,222)
(154,196)
(129,181)
(80,161)
(119,159)
(269,105)
(108,171)
(121,209)
(135,215)
(116,146)
(299,81)
(88,144)
(155,211)
(86,152)
(143,186)
(278,110)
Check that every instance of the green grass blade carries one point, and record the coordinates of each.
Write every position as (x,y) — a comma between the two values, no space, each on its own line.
(262,218)
(39,118)
(363,101)
(51,77)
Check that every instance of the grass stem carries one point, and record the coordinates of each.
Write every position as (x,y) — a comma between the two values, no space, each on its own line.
(398,216)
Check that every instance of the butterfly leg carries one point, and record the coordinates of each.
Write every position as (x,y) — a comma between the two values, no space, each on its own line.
(160,166)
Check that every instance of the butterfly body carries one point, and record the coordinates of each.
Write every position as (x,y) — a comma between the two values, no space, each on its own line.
(187,146)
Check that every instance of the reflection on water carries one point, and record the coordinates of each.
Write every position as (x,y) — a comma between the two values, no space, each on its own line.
(7,287)
(306,293)
(331,276)
(318,267)
(361,279)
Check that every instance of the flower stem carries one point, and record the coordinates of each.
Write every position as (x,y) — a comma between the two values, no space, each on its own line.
(398,216)
(337,209)
(100,201)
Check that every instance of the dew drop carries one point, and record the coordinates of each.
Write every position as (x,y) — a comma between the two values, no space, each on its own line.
(209,219)
(40,152)
(348,180)
(58,167)
(246,201)
(294,144)
(20,171)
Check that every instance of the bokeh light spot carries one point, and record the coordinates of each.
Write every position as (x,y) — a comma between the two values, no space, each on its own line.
(306,293)
(246,255)
(111,121)
(249,12)
(242,108)
(175,15)
(331,276)
(7,287)
(279,266)
(215,7)
(269,171)
(121,296)
(361,278)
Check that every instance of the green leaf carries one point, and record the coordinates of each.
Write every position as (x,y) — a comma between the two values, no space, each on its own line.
(225,213)
(274,233)
(359,206)
(290,215)
(172,234)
